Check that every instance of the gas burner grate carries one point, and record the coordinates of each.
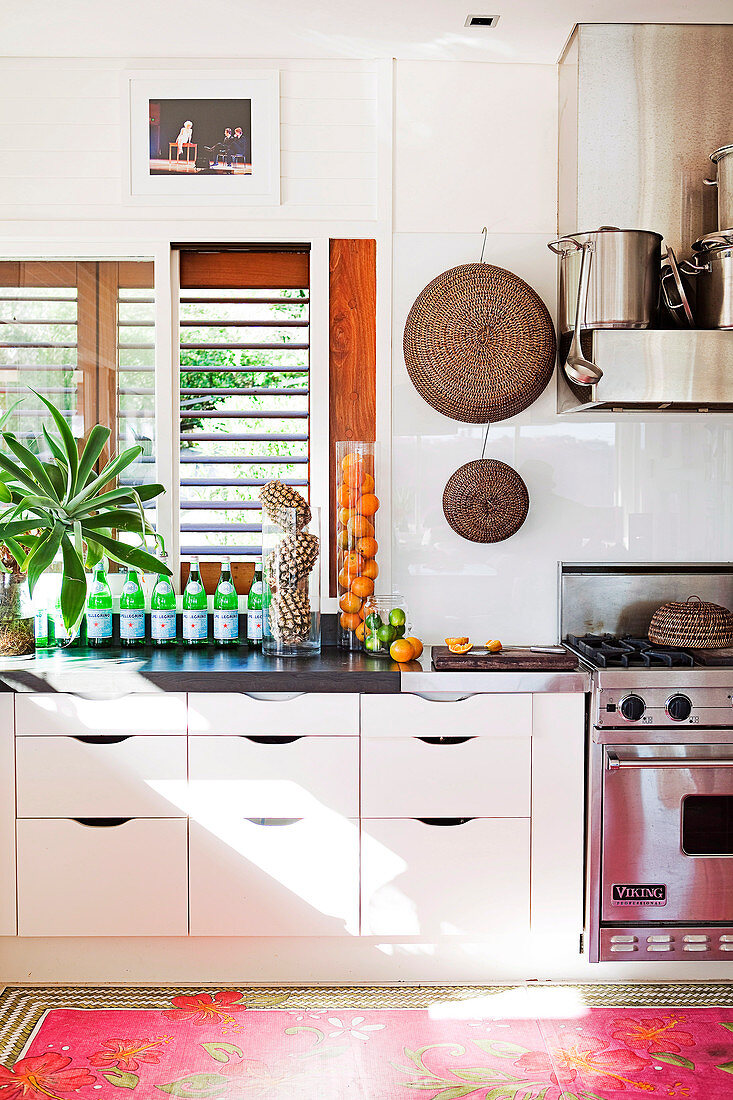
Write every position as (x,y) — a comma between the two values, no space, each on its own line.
(608,651)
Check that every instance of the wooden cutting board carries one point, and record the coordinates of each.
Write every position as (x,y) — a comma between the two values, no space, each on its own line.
(712,657)
(509,660)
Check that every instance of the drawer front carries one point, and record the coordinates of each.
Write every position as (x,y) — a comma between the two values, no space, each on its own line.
(475,716)
(277,715)
(445,880)
(48,715)
(84,880)
(478,777)
(132,777)
(256,879)
(297,779)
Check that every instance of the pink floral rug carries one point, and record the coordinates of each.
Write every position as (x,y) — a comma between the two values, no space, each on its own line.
(212,1045)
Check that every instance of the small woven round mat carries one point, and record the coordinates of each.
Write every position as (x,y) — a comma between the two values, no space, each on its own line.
(479,344)
(694,624)
(485,501)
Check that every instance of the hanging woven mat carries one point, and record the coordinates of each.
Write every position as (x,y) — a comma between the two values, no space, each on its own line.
(479,344)
(485,501)
(694,624)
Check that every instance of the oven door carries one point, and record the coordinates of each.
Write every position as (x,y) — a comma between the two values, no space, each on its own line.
(667,833)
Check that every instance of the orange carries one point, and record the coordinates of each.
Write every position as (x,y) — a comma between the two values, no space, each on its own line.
(345,495)
(353,469)
(368,547)
(371,569)
(361,587)
(455,641)
(494,646)
(350,621)
(361,527)
(351,458)
(367,485)
(360,632)
(417,646)
(367,505)
(350,603)
(353,564)
(365,609)
(460,648)
(401,651)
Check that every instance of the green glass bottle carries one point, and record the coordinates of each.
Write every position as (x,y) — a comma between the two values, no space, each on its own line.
(195,608)
(61,635)
(226,607)
(132,610)
(254,609)
(99,609)
(163,610)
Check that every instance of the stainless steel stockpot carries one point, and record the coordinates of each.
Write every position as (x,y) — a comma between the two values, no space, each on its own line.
(623,280)
(723,158)
(712,268)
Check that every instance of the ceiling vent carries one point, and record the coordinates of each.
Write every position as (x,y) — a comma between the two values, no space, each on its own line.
(481,20)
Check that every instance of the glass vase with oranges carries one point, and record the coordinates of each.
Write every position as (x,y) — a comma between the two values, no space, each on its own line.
(356,508)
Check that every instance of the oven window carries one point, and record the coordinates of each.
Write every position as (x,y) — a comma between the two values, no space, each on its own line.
(707,825)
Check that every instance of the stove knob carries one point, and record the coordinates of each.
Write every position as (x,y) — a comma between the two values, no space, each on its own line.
(632,708)
(679,708)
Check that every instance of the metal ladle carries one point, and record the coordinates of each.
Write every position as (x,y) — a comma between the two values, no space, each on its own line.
(577,367)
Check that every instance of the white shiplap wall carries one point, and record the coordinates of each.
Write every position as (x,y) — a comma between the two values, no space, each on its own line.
(62,130)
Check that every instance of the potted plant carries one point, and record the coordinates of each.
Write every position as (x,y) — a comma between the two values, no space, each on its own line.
(59,504)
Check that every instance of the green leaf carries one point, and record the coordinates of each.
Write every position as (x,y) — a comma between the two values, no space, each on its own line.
(121,1079)
(94,553)
(5,493)
(43,554)
(93,448)
(131,555)
(478,1073)
(320,1036)
(56,477)
(72,455)
(222,1052)
(109,473)
(727,1067)
(196,1085)
(728,1027)
(56,450)
(17,473)
(454,1092)
(32,464)
(18,527)
(116,519)
(15,549)
(73,585)
(501,1050)
(673,1059)
(416,1056)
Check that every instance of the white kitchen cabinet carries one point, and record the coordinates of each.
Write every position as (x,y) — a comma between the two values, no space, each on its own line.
(271,779)
(474,716)
(277,714)
(476,777)
(129,777)
(439,880)
(274,877)
(7,818)
(77,879)
(42,715)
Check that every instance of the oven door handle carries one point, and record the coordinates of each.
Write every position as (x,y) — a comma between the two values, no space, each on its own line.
(613,762)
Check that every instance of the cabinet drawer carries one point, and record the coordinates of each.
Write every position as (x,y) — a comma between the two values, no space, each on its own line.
(279,714)
(429,880)
(77,879)
(250,779)
(46,715)
(475,716)
(477,777)
(282,878)
(106,777)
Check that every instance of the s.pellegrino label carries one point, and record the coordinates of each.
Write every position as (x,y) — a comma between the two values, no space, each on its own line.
(226,625)
(195,626)
(132,625)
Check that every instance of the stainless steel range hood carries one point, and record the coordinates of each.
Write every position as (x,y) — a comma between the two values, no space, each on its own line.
(641,108)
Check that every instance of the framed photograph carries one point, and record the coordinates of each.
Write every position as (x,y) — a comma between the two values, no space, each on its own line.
(198,136)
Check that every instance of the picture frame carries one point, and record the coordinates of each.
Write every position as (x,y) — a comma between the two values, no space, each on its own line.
(200,137)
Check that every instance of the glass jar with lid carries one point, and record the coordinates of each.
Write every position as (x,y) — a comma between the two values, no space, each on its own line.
(385,620)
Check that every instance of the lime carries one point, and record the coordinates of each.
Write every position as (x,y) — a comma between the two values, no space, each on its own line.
(397,616)
(373,621)
(400,631)
(372,643)
(386,635)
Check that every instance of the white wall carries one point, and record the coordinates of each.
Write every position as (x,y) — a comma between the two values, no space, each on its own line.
(476,145)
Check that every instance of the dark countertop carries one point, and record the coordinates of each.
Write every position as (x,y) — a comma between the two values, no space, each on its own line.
(119,670)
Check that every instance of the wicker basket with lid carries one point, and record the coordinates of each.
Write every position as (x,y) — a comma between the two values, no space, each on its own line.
(694,624)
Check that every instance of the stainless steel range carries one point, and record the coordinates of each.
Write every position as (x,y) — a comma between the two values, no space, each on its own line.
(660,795)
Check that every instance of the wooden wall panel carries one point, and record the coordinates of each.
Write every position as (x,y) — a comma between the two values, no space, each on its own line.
(352,352)
(242,574)
(224,270)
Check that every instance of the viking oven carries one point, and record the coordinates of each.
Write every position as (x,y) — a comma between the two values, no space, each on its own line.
(660,796)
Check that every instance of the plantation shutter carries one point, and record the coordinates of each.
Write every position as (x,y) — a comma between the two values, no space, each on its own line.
(244,391)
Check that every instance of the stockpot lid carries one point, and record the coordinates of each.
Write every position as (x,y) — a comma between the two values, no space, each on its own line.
(580,237)
(715,242)
(723,151)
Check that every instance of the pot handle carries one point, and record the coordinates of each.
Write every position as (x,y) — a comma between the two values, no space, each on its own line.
(691,267)
(577,367)
(571,242)
(710,183)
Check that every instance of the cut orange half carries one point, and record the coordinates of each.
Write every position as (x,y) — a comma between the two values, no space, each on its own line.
(455,641)
(494,646)
(461,647)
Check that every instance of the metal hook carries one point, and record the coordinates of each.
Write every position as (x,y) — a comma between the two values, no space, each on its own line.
(486,436)
(483,246)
